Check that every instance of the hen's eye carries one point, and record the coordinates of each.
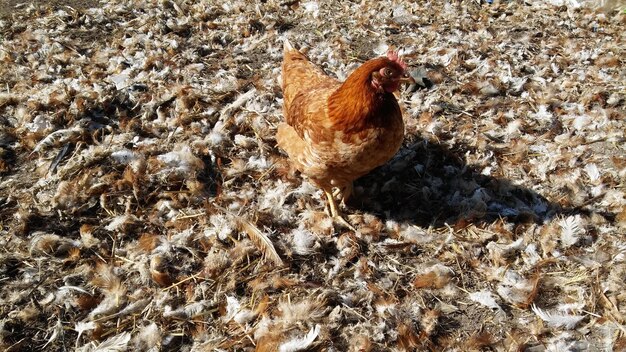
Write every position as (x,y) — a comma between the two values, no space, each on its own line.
(387,72)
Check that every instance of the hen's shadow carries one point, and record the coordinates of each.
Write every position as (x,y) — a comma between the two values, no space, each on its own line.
(429,184)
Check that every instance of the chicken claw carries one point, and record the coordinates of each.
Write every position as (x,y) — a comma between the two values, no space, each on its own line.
(344,192)
(338,219)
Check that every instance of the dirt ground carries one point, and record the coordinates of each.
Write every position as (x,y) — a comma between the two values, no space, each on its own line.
(7,7)
(145,205)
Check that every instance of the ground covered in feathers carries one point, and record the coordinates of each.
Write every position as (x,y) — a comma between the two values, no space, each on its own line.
(145,206)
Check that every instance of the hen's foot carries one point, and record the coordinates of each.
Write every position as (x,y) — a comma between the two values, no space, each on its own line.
(340,221)
(334,213)
(343,193)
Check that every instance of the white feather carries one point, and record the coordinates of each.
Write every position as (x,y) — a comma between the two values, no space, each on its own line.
(303,241)
(82,327)
(300,343)
(124,156)
(239,102)
(181,161)
(556,320)
(592,171)
(311,7)
(119,221)
(56,331)
(235,312)
(148,337)
(189,311)
(232,307)
(571,230)
(542,115)
(485,298)
(117,343)
(109,304)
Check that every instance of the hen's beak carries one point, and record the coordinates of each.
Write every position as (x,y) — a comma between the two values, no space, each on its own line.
(407,78)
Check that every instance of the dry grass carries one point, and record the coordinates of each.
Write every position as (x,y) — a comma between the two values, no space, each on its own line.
(144,205)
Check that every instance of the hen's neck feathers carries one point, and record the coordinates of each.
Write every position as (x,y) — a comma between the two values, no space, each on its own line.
(356,104)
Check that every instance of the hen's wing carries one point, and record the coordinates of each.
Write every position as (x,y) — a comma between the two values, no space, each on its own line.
(306,132)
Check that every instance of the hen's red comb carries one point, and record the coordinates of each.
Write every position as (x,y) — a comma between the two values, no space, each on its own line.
(393,56)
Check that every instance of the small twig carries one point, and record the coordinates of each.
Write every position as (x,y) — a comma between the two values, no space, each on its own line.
(188,216)
(354,311)
(125,259)
(592,314)
(192,277)
(456,257)
(15,344)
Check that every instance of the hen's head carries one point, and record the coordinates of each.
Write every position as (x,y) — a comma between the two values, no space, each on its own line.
(389,73)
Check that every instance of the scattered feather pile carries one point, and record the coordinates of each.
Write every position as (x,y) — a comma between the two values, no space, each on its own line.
(144,204)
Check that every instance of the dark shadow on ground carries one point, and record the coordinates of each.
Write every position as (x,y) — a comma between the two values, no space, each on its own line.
(429,184)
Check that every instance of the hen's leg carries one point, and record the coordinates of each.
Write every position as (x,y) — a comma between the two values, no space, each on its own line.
(333,211)
(345,193)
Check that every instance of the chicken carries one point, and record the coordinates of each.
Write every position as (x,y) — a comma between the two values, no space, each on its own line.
(337,132)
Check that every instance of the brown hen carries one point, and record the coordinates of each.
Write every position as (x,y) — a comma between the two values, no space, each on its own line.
(337,132)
